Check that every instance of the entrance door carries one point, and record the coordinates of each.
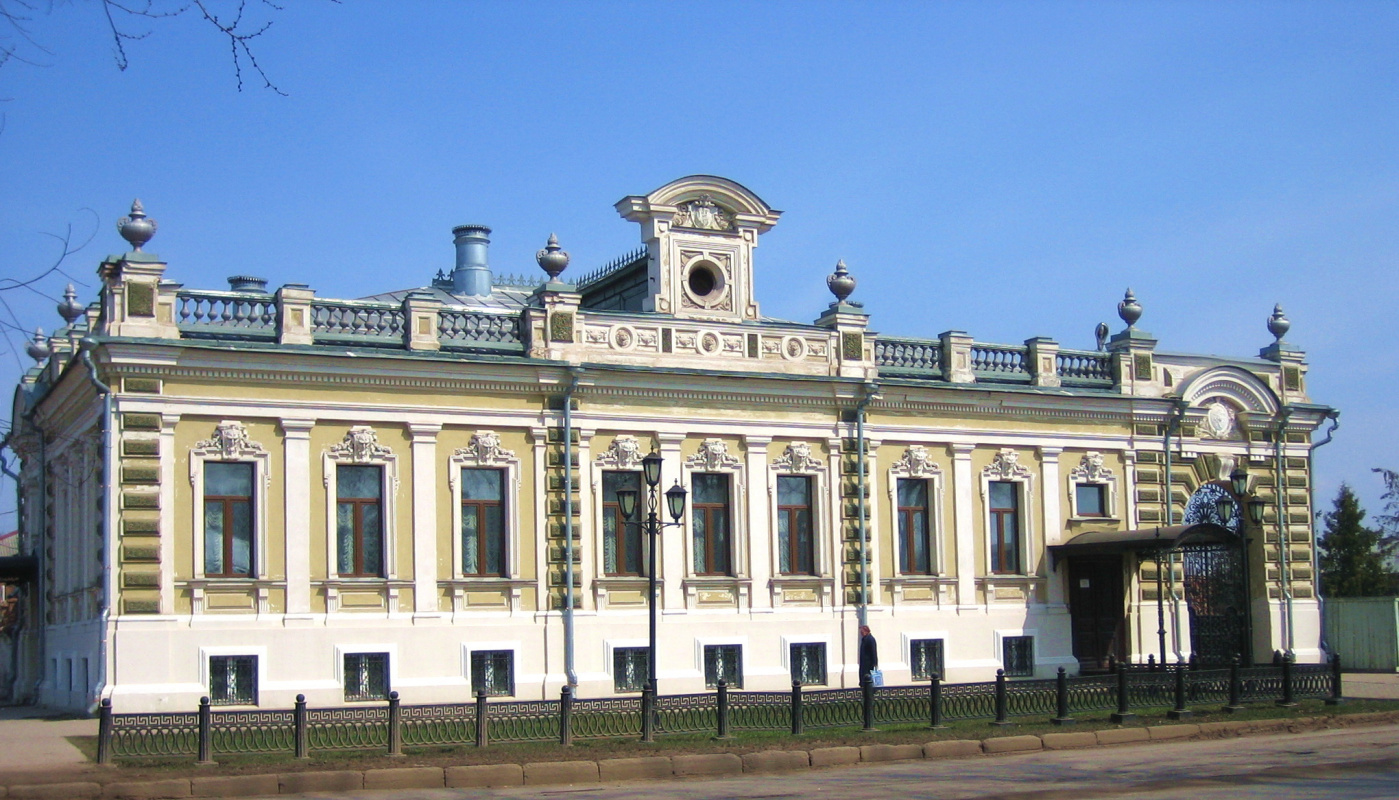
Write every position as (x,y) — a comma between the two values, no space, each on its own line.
(1097,610)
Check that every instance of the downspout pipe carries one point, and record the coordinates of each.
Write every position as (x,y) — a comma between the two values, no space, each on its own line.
(1176,414)
(37,542)
(568,640)
(1284,546)
(871,391)
(1335,417)
(19,525)
(108,525)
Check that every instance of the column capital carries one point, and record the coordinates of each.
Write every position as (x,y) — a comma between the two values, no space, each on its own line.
(297,428)
(1048,453)
(424,432)
(962,449)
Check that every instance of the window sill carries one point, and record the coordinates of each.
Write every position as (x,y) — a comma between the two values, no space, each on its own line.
(1114,519)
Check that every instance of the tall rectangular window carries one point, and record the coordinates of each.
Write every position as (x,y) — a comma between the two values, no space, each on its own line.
(797,547)
(366,676)
(359,525)
(483,522)
(710,523)
(915,548)
(808,662)
(1090,500)
(1005,528)
(621,536)
(228,519)
(233,680)
(493,671)
(723,662)
(629,669)
(927,660)
(1018,656)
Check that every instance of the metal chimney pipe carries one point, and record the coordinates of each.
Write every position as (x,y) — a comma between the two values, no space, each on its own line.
(472,274)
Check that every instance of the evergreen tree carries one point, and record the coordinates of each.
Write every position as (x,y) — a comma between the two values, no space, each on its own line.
(1352,557)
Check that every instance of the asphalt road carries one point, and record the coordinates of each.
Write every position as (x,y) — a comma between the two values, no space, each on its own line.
(1344,764)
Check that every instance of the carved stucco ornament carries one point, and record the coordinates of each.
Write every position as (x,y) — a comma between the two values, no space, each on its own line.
(360,445)
(1091,468)
(917,462)
(713,455)
(623,453)
(797,458)
(703,214)
(1006,466)
(485,449)
(230,442)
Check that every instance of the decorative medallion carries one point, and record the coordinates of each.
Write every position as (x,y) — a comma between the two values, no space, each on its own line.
(623,453)
(1218,422)
(793,347)
(708,343)
(1006,466)
(713,455)
(361,444)
(230,442)
(703,214)
(485,449)
(917,462)
(623,337)
(797,458)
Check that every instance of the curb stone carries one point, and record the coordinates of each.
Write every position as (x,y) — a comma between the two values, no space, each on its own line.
(1067,741)
(1172,731)
(835,756)
(776,761)
(646,768)
(404,778)
(1122,735)
(336,781)
(890,752)
(707,764)
(234,786)
(1012,744)
(952,748)
(146,790)
(561,772)
(58,791)
(483,776)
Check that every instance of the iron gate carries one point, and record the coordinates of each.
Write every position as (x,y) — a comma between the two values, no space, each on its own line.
(1216,594)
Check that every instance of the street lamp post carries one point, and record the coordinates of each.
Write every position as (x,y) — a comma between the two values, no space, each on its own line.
(675,504)
(1224,506)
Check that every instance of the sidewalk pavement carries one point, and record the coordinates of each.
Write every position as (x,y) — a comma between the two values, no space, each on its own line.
(31,742)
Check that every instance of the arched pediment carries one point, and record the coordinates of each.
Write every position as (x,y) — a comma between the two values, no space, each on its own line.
(1238,387)
(731,198)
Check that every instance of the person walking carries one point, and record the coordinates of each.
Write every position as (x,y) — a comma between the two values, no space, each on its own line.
(869,654)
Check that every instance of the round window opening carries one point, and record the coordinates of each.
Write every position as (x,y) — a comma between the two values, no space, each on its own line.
(702,281)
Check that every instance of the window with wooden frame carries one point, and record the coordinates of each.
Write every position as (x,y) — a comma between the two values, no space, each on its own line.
(915,543)
(228,519)
(483,523)
(359,521)
(1005,527)
(796,543)
(711,523)
(621,536)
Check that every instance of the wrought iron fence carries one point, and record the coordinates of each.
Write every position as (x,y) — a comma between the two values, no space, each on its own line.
(483,722)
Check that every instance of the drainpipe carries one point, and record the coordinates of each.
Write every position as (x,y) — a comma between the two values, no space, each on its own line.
(37,542)
(862,610)
(1335,417)
(1284,546)
(574,373)
(1177,413)
(108,526)
(19,525)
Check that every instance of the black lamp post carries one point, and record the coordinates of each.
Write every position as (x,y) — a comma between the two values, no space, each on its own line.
(675,504)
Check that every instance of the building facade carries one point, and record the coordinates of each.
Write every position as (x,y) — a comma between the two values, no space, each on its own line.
(254,494)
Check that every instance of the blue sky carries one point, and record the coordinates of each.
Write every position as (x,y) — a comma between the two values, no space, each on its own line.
(1007,169)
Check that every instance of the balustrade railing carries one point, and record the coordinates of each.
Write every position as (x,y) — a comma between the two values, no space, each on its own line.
(910,354)
(377,727)
(226,315)
(355,319)
(1084,368)
(465,328)
(1000,361)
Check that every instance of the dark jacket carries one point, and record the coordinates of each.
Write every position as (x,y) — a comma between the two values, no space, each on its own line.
(869,655)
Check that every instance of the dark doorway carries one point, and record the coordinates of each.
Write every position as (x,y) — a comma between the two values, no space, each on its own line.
(1217,597)
(1098,611)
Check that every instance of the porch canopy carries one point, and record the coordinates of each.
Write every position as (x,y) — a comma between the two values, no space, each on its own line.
(1160,539)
